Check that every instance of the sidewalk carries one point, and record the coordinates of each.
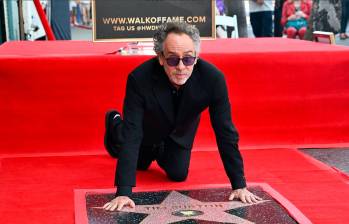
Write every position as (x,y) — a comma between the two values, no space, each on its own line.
(342,42)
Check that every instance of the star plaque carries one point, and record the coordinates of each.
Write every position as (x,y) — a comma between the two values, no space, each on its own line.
(183,206)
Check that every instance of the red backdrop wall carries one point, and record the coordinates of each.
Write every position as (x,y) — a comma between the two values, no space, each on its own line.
(53,95)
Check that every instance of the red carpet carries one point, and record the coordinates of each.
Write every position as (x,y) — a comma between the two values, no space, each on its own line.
(40,189)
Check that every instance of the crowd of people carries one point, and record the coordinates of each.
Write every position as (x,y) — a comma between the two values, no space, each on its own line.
(80,12)
(290,17)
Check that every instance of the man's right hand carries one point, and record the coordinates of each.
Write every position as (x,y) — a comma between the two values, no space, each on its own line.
(118,203)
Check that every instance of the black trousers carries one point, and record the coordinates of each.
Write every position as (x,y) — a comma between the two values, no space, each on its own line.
(171,157)
(262,23)
(345,15)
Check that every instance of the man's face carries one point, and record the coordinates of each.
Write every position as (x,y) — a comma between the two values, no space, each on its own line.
(178,46)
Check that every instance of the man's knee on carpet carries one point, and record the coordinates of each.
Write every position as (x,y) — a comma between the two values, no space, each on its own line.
(177,175)
(143,165)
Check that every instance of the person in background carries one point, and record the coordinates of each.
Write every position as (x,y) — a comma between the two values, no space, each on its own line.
(221,31)
(278,28)
(163,103)
(344,19)
(261,17)
(295,15)
(220,7)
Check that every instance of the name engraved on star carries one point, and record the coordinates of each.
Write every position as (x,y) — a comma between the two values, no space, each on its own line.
(214,205)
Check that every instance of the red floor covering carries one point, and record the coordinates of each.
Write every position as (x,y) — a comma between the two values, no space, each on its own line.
(40,189)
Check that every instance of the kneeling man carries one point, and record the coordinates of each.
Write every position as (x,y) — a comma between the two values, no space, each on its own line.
(164,100)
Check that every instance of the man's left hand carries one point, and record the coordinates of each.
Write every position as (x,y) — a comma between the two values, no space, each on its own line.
(244,195)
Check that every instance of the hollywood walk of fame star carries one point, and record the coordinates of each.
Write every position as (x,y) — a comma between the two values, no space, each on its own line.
(179,207)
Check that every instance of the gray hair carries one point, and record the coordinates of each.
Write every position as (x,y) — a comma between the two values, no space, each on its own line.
(178,28)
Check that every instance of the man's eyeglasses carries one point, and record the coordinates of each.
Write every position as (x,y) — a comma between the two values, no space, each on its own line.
(174,60)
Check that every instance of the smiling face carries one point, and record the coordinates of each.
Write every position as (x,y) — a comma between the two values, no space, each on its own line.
(178,45)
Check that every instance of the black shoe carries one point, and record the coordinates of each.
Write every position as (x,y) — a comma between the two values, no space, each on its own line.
(112,141)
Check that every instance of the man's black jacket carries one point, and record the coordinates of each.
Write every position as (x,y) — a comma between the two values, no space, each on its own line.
(149,118)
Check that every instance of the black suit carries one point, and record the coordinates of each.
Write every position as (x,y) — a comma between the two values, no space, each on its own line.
(149,117)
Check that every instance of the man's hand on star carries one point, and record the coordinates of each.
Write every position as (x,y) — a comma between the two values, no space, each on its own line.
(118,203)
(244,195)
